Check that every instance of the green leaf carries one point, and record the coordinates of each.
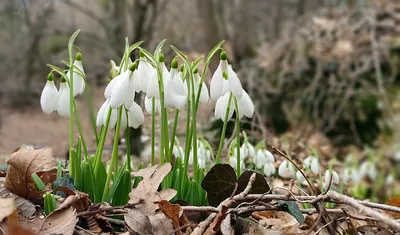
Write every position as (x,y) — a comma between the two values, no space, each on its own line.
(158,48)
(149,56)
(123,188)
(72,39)
(259,186)
(292,208)
(39,183)
(59,169)
(58,70)
(183,57)
(213,51)
(134,46)
(65,181)
(50,203)
(196,63)
(219,183)
(88,184)
(100,176)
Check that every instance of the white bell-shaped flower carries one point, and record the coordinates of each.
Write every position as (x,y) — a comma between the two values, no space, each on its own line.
(49,96)
(300,178)
(123,92)
(152,86)
(350,174)
(328,175)
(233,163)
(368,169)
(112,84)
(204,96)
(221,106)
(175,88)
(263,157)
(225,79)
(312,163)
(389,180)
(78,80)
(245,105)
(63,101)
(178,151)
(124,120)
(286,169)
(269,169)
(135,116)
(103,114)
(249,150)
(148,104)
(144,71)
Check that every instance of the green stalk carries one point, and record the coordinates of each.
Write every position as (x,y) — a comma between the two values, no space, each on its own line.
(89,100)
(166,134)
(114,158)
(100,146)
(128,148)
(237,139)
(173,134)
(79,125)
(222,139)
(153,127)
(163,115)
(194,129)
(188,139)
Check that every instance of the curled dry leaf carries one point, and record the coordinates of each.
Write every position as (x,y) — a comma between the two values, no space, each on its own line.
(173,212)
(24,206)
(22,164)
(6,207)
(138,222)
(60,222)
(14,228)
(80,201)
(161,225)
(147,188)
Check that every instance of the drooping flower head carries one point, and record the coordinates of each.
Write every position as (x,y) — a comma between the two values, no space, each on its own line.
(123,92)
(204,96)
(312,163)
(175,88)
(78,75)
(331,174)
(49,96)
(153,89)
(286,169)
(63,99)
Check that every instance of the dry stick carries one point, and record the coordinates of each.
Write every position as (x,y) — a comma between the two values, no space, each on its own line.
(104,209)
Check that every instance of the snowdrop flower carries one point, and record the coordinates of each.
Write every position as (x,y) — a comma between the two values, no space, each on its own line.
(368,169)
(263,157)
(202,155)
(148,104)
(350,174)
(144,71)
(334,175)
(123,91)
(175,88)
(63,99)
(103,114)
(224,80)
(249,150)
(178,151)
(269,169)
(312,163)
(245,105)
(49,97)
(135,115)
(78,80)
(112,84)
(300,178)
(389,179)
(233,163)
(152,86)
(286,169)
(204,96)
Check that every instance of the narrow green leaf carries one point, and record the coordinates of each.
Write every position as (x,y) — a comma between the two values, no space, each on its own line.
(88,184)
(180,54)
(158,48)
(39,183)
(149,56)
(134,46)
(196,63)
(58,70)
(72,39)
(50,203)
(59,169)
(213,51)
(121,195)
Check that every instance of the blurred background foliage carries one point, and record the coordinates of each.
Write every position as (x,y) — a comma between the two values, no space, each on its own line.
(311,66)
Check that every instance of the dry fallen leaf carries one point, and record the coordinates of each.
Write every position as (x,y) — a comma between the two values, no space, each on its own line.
(60,222)
(394,202)
(6,207)
(172,211)
(24,206)
(138,221)
(160,224)
(147,188)
(22,164)
(14,228)
(80,201)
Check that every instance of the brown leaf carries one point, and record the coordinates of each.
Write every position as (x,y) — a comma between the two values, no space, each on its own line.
(160,224)
(172,211)
(22,164)
(6,207)
(215,226)
(24,206)
(14,228)
(394,202)
(147,188)
(60,222)
(80,201)
(138,221)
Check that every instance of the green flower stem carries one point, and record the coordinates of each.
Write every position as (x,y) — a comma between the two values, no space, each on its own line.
(237,139)
(222,139)
(194,129)
(164,118)
(102,140)
(173,134)
(188,139)
(168,158)
(79,125)
(89,100)
(128,148)
(114,157)
(153,128)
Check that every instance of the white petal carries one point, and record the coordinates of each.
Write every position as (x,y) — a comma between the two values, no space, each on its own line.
(100,115)
(216,85)
(124,120)
(152,86)
(234,83)
(246,106)
(135,116)
(300,178)
(110,86)
(222,105)
(113,118)
(79,88)
(269,169)
(49,97)
(136,81)
(63,100)
(123,92)
(286,169)
(148,104)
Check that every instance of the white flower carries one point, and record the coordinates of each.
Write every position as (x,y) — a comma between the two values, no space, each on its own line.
(135,116)
(249,150)
(123,92)
(178,151)
(144,71)
(300,178)
(78,80)
(350,174)
(312,163)
(49,97)
(389,180)
(245,105)
(204,96)
(233,163)
(148,104)
(221,107)
(334,175)
(263,157)
(152,86)
(63,100)
(175,90)
(368,169)
(103,114)
(111,85)
(286,169)
(269,169)
(241,152)
(225,79)
(203,155)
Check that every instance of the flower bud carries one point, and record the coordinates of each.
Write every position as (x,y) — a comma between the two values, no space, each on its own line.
(182,68)
(161,58)
(174,64)
(132,67)
(50,77)
(223,55)
(78,56)
(195,71)
(141,54)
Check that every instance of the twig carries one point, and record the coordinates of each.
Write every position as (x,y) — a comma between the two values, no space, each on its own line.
(104,209)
